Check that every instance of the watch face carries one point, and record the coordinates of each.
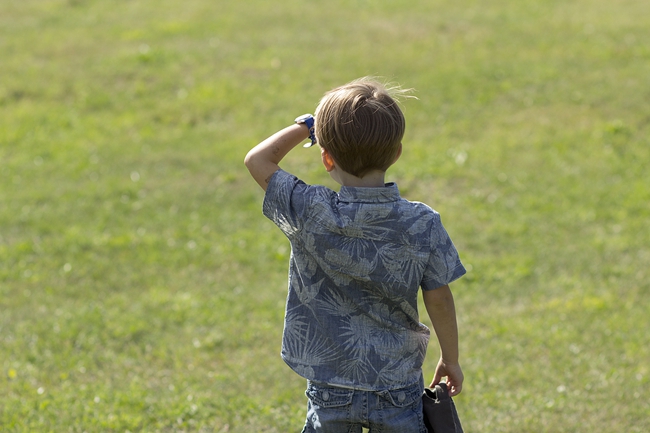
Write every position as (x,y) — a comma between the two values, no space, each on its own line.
(303,118)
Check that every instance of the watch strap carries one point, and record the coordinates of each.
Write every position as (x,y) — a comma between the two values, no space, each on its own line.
(308,120)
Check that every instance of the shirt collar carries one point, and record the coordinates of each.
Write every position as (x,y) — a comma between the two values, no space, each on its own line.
(387,194)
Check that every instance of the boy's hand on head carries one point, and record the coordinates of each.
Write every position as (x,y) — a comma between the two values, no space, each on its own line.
(454,375)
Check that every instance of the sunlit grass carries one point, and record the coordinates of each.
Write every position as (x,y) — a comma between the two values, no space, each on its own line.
(141,289)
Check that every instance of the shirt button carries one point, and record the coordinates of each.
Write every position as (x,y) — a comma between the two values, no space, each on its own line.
(401,397)
(326,395)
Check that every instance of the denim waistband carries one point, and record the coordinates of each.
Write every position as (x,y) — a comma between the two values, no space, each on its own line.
(365,389)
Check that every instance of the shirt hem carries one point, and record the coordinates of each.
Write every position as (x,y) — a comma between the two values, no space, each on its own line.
(356,387)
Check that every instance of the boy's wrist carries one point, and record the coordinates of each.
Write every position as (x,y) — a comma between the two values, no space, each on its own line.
(308,121)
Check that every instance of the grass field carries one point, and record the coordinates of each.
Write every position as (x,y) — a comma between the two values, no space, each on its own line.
(141,289)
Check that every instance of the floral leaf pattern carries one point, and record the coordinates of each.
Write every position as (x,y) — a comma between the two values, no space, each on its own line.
(358,260)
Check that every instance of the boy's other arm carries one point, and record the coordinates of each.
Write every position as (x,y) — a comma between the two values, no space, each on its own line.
(442,312)
(262,160)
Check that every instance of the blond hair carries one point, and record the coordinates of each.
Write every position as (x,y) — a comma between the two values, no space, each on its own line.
(361,125)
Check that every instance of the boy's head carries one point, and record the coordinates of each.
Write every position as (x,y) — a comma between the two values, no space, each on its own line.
(361,126)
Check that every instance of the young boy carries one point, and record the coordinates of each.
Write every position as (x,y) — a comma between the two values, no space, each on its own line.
(358,259)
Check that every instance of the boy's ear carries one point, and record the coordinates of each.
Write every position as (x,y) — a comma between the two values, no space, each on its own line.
(328,161)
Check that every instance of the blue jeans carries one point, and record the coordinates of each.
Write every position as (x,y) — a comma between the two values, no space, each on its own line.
(340,410)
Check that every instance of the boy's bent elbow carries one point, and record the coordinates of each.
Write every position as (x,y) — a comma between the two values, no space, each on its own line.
(248,160)
(260,169)
(252,162)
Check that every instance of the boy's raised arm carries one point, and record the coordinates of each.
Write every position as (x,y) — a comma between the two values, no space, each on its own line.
(262,160)
(442,312)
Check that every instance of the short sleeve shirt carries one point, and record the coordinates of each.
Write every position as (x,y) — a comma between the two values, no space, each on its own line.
(358,259)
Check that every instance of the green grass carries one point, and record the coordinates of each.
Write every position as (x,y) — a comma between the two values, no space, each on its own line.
(141,289)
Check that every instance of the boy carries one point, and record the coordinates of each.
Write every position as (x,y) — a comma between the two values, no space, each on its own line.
(358,259)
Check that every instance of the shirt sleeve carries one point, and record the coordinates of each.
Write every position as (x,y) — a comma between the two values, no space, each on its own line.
(444,265)
(284,202)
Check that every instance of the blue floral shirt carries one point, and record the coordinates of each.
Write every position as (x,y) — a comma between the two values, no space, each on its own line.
(358,259)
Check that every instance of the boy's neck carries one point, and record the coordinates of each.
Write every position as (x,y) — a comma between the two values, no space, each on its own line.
(374,179)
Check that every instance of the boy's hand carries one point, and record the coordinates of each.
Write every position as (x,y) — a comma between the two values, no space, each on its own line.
(454,375)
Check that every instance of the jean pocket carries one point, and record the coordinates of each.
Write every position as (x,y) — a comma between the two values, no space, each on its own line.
(403,397)
(329,397)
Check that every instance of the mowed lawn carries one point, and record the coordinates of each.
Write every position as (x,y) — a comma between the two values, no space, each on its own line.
(141,289)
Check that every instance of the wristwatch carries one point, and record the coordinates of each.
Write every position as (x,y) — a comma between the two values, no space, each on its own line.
(308,120)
